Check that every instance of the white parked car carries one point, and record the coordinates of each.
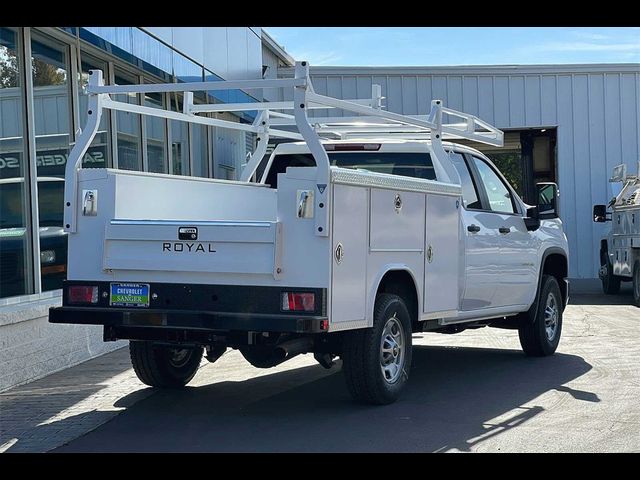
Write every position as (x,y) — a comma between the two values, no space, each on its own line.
(343,247)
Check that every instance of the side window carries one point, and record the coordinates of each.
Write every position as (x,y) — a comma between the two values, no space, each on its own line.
(469,195)
(497,192)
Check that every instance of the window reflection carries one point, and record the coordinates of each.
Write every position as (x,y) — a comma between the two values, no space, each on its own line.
(51,105)
(52,115)
(155,55)
(200,159)
(14,246)
(185,70)
(156,135)
(179,139)
(128,128)
(99,150)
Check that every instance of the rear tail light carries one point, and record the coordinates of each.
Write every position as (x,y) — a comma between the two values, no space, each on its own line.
(83,294)
(298,302)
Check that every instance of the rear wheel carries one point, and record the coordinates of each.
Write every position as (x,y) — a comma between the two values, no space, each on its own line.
(636,283)
(377,360)
(164,366)
(610,282)
(540,337)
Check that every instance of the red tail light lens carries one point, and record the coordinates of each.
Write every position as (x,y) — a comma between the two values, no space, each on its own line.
(298,302)
(83,294)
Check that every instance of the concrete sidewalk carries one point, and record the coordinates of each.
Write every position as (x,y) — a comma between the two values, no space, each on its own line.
(47,413)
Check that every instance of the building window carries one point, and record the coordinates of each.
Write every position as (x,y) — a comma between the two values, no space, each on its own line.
(179,139)
(51,102)
(14,236)
(128,129)
(100,149)
(199,141)
(156,135)
(52,117)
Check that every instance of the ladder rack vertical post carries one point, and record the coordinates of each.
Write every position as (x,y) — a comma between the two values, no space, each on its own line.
(445,172)
(74,162)
(315,147)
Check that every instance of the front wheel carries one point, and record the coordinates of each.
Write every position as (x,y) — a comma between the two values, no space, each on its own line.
(636,283)
(541,336)
(164,366)
(377,360)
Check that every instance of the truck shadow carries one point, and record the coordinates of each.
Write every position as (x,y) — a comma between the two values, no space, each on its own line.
(625,297)
(456,398)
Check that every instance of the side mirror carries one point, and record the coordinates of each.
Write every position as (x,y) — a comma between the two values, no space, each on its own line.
(600,213)
(532,218)
(547,195)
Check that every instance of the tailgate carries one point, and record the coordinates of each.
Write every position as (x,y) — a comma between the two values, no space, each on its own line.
(168,245)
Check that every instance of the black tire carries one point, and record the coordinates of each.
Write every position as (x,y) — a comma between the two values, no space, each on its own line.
(362,356)
(636,283)
(536,340)
(163,366)
(610,282)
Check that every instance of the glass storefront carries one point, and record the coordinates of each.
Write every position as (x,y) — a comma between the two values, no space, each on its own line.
(199,148)
(156,129)
(56,62)
(179,139)
(52,119)
(15,250)
(100,149)
(128,128)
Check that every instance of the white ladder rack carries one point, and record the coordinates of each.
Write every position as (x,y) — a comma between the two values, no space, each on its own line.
(371,122)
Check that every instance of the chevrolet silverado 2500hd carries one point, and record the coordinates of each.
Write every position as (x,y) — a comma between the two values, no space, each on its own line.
(359,233)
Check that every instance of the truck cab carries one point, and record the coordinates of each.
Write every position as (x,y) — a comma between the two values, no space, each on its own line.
(357,234)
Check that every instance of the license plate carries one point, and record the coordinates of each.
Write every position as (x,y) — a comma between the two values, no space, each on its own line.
(129,295)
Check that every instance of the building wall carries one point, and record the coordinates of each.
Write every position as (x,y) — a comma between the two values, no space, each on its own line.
(231,52)
(31,347)
(273,62)
(596,109)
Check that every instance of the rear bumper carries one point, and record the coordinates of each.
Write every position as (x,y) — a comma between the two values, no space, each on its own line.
(196,307)
(203,321)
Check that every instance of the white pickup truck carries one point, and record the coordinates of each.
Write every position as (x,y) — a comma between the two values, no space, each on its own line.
(360,233)
(620,248)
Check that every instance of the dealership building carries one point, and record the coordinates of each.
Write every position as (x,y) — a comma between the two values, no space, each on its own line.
(42,108)
(570,124)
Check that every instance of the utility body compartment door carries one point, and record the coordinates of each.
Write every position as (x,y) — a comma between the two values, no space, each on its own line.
(442,254)
(349,254)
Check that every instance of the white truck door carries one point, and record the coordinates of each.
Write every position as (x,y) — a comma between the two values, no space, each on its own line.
(518,251)
(517,258)
(481,249)
(482,267)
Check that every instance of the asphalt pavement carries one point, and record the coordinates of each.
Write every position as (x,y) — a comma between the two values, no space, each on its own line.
(473,391)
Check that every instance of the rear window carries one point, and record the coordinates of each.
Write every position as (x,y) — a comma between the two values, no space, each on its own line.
(417,165)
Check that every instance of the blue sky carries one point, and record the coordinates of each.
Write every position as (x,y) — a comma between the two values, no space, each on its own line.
(406,46)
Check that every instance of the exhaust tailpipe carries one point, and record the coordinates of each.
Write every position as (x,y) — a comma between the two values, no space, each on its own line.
(291,348)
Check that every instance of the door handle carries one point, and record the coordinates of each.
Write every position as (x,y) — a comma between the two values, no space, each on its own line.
(504,229)
(473,228)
